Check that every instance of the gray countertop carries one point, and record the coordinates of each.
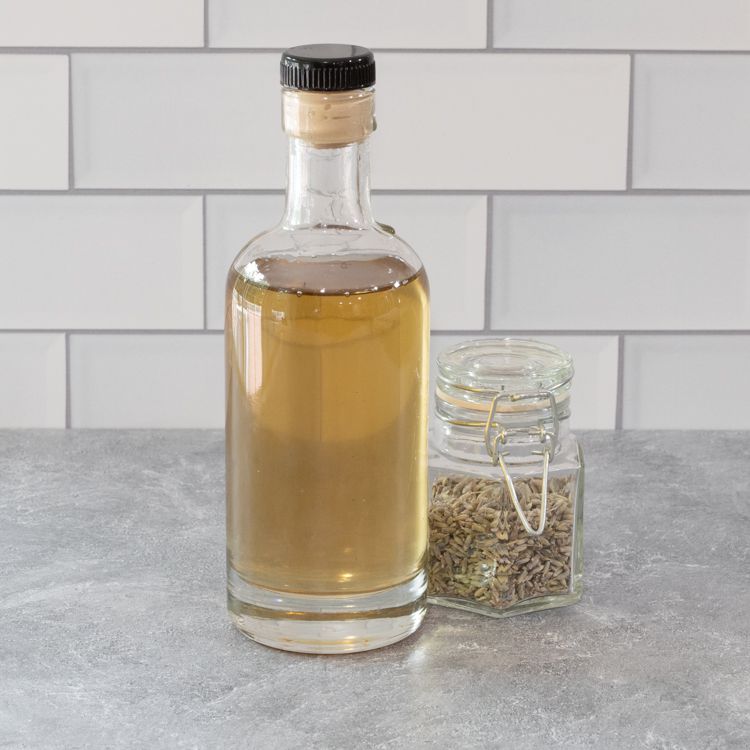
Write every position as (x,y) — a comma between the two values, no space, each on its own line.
(113,632)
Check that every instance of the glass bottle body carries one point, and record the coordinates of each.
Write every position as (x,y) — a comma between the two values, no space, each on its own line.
(326,340)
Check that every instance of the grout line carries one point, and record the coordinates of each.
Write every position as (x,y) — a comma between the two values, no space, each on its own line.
(629,154)
(435,331)
(697,192)
(71,175)
(488,267)
(379,50)
(116,331)
(205,23)
(205,265)
(150,191)
(594,332)
(620,381)
(67,380)
(490,22)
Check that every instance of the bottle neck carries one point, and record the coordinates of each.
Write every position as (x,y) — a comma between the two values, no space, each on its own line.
(329,162)
(328,187)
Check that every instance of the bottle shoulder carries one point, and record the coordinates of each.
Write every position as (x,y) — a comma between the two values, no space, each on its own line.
(374,240)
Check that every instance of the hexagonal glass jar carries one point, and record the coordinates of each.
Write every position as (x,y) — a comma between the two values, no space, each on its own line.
(506,476)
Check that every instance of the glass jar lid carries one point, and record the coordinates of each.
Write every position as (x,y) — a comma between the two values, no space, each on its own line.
(524,372)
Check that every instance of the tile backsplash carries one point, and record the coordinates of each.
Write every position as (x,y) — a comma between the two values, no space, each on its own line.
(34,122)
(575,170)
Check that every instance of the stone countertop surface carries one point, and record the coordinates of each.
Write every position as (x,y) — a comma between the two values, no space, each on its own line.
(113,630)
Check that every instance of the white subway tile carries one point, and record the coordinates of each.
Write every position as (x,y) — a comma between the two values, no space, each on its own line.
(510,122)
(152,380)
(32,380)
(691,121)
(387,23)
(594,395)
(620,262)
(34,122)
(177,121)
(101,23)
(614,24)
(101,262)
(535,121)
(686,382)
(448,232)
(231,221)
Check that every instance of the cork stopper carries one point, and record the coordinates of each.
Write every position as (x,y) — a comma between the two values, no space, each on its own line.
(329,119)
(328,96)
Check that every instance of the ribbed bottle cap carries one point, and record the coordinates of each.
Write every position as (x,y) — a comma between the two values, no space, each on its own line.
(327,67)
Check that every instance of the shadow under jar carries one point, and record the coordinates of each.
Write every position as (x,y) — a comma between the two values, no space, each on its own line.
(506,508)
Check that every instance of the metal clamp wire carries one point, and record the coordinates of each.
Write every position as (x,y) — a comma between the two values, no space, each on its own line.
(493,449)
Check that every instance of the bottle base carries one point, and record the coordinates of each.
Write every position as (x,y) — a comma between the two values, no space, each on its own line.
(326,624)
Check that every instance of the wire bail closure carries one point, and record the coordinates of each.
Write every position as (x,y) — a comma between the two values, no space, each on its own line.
(547,439)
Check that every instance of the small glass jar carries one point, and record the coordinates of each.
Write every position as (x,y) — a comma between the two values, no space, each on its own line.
(506,508)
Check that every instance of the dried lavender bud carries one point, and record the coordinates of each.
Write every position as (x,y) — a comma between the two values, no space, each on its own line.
(479,549)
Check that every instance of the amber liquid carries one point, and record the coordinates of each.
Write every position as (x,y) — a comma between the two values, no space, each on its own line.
(327,377)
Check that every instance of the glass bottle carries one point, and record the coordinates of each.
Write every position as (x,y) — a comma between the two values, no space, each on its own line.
(506,508)
(327,370)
